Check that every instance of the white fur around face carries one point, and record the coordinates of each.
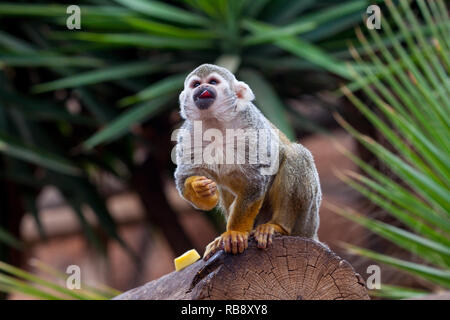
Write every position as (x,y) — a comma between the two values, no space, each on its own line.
(231,99)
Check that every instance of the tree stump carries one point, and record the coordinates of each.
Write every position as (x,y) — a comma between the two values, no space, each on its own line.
(291,268)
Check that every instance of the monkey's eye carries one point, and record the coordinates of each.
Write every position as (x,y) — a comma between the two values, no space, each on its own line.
(213,81)
(195,84)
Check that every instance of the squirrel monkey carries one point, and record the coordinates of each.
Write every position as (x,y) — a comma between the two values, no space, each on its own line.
(285,201)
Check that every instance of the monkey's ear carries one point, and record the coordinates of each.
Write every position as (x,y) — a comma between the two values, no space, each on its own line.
(181,100)
(243,93)
(181,97)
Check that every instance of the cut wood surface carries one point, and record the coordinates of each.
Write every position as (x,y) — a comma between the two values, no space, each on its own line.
(291,268)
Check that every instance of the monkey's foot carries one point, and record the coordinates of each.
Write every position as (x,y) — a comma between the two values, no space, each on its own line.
(264,232)
(234,241)
(212,248)
(230,241)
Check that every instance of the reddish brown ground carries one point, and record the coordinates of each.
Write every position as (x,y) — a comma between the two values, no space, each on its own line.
(69,246)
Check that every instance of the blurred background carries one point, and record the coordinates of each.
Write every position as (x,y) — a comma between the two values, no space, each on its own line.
(86,118)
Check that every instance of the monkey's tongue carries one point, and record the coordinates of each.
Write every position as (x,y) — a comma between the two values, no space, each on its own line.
(205,94)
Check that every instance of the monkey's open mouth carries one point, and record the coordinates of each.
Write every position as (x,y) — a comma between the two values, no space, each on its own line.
(204,97)
(205,94)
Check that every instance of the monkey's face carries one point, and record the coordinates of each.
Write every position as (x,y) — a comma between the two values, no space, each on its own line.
(203,91)
(213,92)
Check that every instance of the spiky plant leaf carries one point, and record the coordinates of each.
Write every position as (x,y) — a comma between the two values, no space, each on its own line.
(409,86)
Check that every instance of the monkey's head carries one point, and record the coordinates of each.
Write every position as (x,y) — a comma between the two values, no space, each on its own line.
(211,91)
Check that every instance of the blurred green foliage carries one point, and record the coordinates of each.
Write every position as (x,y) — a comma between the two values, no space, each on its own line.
(126,66)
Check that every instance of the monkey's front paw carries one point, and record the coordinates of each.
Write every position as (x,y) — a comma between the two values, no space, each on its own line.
(264,232)
(204,187)
(234,241)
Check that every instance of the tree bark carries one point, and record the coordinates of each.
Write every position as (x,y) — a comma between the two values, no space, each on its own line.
(292,268)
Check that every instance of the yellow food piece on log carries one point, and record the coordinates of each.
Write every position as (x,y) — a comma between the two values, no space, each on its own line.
(186,259)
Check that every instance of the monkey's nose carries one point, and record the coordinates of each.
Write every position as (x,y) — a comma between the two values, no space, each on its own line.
(204,97)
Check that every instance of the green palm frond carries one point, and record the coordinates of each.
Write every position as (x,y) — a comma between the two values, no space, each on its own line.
(409,86)
(15,280)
